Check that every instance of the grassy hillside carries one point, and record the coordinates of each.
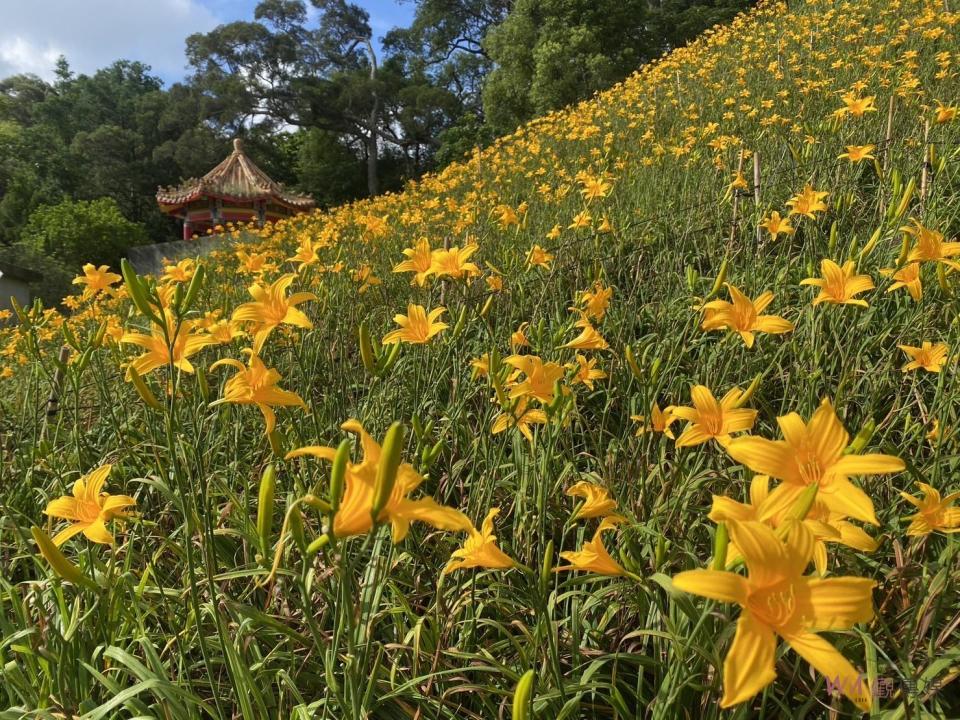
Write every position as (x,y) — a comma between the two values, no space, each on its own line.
(586,266)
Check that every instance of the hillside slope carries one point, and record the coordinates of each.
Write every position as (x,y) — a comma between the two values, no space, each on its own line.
(580,265)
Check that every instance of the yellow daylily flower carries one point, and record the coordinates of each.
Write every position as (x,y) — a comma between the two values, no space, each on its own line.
(256,384)
(454,262)
(777,599)
(858,153)
(935,513)
(839,285)
(586,371)
(271,308)
(807,202)
(856,106)
(588,339)
(597,500)
(96,280)
(419,261)
(417,326)
(660,421)
(181,272)
(581,220)
(945,113)
(743,316)
(480,549)
(593,556)
(518,338)
(353,517)
(596,301)
(90,509)
(813,452)
(907,277)
(539,257)
(158,355)
(711,420)
(521,417)
(539,377)
(928,356)
(306,254)
(824,524)
(930,246)
(776,225)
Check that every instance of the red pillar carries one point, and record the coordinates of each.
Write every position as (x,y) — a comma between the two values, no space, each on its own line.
(187,229)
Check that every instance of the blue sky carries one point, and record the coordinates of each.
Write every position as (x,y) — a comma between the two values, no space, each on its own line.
(94,33)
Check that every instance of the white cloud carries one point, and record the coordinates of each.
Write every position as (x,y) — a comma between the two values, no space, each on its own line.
(94,33)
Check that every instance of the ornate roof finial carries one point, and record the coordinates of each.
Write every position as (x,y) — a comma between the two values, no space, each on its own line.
(237,145)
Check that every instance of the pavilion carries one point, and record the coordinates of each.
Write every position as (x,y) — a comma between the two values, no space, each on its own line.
(235,191)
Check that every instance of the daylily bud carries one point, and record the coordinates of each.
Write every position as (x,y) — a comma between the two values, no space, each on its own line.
(295,525)
(21,315)
(193,289)
(317,545)
(366,349)
(632,363)
(84,360)
(660,552)
(871,243)
(387,359)
(461,321)
(545,568)
(268,484)
(523,696)
(907,197)
(720,542)
(136,289)
(692,278)
(203,385)
(719,280)
(486,307)
(101,333)
(316,503)
(143,390)
(942,280)
(70,337)
(801,508)
(655,369)
(387,468)
(748,394)
(276,443)
(863,438)
(61,566)
(338,473)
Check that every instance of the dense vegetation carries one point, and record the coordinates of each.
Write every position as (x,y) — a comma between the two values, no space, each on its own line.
(671,382)
(321,108)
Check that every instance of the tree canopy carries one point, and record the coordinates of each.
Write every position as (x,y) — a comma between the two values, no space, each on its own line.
(322,105)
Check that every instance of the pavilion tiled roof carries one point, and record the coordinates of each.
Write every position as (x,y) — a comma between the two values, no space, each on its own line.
(234,179)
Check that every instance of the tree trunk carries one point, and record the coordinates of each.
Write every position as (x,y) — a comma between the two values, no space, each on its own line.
(373,150)
(373,180)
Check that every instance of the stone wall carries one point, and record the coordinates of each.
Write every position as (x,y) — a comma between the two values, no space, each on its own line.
(148,259)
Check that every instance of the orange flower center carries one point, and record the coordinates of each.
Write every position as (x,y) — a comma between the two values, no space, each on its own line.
(87,511)
(775,605)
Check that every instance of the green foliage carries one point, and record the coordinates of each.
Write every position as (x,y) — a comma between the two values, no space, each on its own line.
(326,168)
(78,231)
(550,53)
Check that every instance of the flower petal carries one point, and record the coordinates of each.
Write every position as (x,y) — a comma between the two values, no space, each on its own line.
(748,667)
(714,584)
(828,661)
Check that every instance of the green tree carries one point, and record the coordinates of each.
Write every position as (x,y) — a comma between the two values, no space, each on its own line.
(550,53)
(79,231)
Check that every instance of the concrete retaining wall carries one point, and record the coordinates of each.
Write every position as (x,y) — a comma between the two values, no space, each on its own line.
(148,259)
